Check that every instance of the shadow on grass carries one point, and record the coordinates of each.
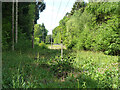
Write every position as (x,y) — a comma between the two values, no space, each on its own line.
(69,77)
(51,73)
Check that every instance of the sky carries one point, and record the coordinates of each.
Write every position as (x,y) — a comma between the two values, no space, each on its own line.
(55,10)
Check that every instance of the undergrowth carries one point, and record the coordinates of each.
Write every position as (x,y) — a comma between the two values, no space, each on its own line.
(43,68)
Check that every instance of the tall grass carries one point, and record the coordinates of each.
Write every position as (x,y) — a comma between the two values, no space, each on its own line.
(81,69)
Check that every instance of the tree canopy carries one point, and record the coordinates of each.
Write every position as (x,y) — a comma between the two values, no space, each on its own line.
(28,12)
(92,26)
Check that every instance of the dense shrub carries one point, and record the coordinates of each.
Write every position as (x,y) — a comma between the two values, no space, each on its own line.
(43,45)
(94,28)
(23,43)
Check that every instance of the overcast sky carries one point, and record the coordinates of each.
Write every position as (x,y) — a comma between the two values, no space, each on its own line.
(53,13)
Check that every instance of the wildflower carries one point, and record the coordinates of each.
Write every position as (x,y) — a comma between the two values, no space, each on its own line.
(98,69)
(87,71)
(105,69)
(102,72)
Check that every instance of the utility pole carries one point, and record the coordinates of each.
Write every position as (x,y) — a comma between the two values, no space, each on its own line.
(13,26)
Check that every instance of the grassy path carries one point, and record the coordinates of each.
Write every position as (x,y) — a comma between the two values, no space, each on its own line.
(79,69)
(55,46)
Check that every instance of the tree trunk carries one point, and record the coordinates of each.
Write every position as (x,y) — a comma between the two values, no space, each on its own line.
(13,26)
(33,36)
(16,38)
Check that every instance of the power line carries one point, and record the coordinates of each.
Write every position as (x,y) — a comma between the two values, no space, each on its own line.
(52,13)
(58,9)
(66,6)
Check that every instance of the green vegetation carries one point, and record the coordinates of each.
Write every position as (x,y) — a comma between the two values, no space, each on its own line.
(91,42)
(28,16)
(55,46)
(40,33)
(43,68)
(92,26)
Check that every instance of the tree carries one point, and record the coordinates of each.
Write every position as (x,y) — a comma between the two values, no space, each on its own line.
(41,8)
(16,21)
(91,27)
(40,33)
(33,36)
(28,12)
(44,32)
(48,39)
(77,6)
(13,26)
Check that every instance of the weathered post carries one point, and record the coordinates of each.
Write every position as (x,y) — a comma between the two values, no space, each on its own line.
(61,50)
(51,41)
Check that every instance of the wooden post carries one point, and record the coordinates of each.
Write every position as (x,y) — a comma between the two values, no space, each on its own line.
(51,41)
(61,50)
